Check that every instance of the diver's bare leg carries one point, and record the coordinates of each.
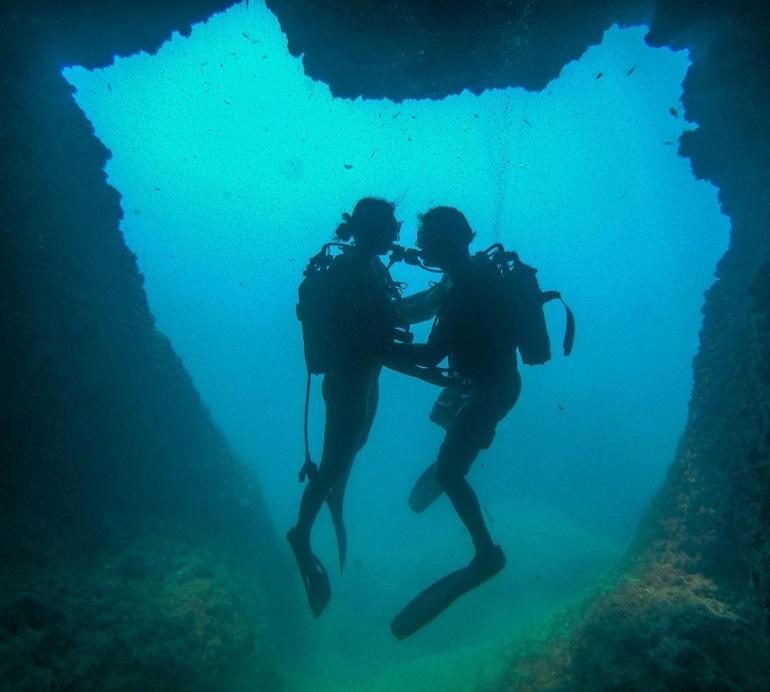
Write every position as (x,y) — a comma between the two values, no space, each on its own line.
(336,497)
(344,421)
(467,506)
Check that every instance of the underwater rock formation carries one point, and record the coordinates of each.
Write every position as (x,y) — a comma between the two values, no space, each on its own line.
(697,576)
(105,442)
(168,613)
(99,417)
(428,49)
(691,610)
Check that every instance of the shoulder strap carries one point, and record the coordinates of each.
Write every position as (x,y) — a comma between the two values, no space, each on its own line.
(569,331)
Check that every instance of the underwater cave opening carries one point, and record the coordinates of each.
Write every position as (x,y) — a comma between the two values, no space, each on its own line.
(233,168)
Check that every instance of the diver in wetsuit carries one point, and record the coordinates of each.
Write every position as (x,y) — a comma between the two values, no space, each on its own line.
(367,314)
(471,329)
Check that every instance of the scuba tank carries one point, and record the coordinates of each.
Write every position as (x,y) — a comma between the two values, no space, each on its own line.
(525,307)
(315,310)
(318,309)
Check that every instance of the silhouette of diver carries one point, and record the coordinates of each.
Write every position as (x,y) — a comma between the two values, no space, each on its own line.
(472,330)
(366,299)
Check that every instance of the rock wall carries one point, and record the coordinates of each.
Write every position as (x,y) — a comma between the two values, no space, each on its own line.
(691,609)
(431,48)
(114,482)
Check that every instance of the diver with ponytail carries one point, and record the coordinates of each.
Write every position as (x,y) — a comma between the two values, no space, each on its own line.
(366,300)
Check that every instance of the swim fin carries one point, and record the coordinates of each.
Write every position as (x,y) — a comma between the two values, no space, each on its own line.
(425,491)
(441,594)
(314,577)
(334,502)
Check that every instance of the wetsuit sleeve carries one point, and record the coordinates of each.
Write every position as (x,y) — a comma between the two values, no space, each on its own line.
(439,336)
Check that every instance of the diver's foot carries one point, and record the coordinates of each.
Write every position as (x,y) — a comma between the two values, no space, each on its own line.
(426,490)
(487,563)
(434,600)
(335,508)
(314,577)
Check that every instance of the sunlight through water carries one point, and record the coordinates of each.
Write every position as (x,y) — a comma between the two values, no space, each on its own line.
(234,167)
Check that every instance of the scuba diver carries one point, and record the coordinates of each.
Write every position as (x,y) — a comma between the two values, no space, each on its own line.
(473,330)
(349,312)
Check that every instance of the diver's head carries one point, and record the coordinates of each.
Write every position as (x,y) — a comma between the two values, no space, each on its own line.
(372,226)
(443,237)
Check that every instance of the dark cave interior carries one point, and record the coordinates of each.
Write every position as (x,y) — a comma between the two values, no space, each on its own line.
(87,377)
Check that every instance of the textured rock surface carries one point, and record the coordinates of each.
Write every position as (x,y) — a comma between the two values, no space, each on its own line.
(157,613)
(431,48)
(102,430)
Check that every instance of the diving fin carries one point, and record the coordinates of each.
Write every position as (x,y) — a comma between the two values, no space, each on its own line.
(434,600)
(335,501)
(425,491)
(314,577)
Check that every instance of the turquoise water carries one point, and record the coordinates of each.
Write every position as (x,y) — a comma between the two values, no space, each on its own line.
(234,167)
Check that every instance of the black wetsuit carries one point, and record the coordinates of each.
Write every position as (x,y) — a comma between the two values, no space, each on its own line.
(472,328)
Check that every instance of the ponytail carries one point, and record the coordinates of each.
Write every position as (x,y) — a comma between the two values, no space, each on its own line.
(345,229)
(370,215)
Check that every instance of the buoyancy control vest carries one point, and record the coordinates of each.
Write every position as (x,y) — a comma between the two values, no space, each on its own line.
(525,301)
(342,313)
(315,308)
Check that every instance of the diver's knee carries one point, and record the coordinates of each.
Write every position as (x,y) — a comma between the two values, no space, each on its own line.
(447,476)
(328,475)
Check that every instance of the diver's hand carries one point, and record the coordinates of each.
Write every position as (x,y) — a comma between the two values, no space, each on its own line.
(433,375)
(396,352)
(438,376)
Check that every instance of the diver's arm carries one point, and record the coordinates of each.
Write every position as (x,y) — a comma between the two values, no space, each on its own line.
(427,355)
(418,360)
(433,375)
(423,305)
